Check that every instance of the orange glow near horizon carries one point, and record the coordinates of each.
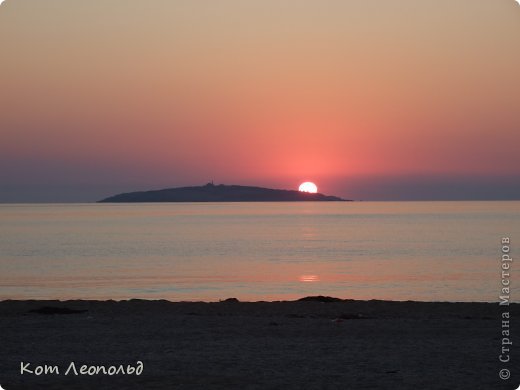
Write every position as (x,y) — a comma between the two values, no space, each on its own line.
(259,92)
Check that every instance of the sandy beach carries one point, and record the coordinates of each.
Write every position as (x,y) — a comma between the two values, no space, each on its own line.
(257,345)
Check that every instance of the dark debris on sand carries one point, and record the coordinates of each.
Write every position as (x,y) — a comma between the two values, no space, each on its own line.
(48,310)
(319,298)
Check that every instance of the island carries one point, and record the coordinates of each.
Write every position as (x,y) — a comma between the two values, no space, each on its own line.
(220,193)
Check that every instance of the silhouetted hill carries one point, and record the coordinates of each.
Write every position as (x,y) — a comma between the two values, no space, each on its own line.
(219,193)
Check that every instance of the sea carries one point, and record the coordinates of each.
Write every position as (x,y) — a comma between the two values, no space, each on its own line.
(422,251)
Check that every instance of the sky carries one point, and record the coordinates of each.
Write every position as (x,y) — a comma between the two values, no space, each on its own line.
(369,99)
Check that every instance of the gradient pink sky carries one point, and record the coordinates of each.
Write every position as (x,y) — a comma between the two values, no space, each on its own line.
(370,99)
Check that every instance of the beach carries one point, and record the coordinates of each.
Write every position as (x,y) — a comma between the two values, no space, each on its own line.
(318,343)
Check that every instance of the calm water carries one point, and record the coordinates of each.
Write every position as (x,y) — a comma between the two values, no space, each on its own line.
(257,251)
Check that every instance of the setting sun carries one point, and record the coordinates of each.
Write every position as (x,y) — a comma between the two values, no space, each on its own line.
(308,187)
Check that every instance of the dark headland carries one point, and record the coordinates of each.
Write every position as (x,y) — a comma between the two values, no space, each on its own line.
(220,193)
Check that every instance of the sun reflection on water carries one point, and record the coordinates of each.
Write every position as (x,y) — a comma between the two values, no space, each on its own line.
(309,278)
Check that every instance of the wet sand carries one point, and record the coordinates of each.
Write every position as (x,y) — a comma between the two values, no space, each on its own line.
(258,345)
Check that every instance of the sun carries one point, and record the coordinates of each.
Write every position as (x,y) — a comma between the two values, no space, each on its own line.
(308,187)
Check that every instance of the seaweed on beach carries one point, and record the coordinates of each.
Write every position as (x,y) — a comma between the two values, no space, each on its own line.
(48,310)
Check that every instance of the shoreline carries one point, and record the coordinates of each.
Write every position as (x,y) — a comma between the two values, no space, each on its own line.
(310,298)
